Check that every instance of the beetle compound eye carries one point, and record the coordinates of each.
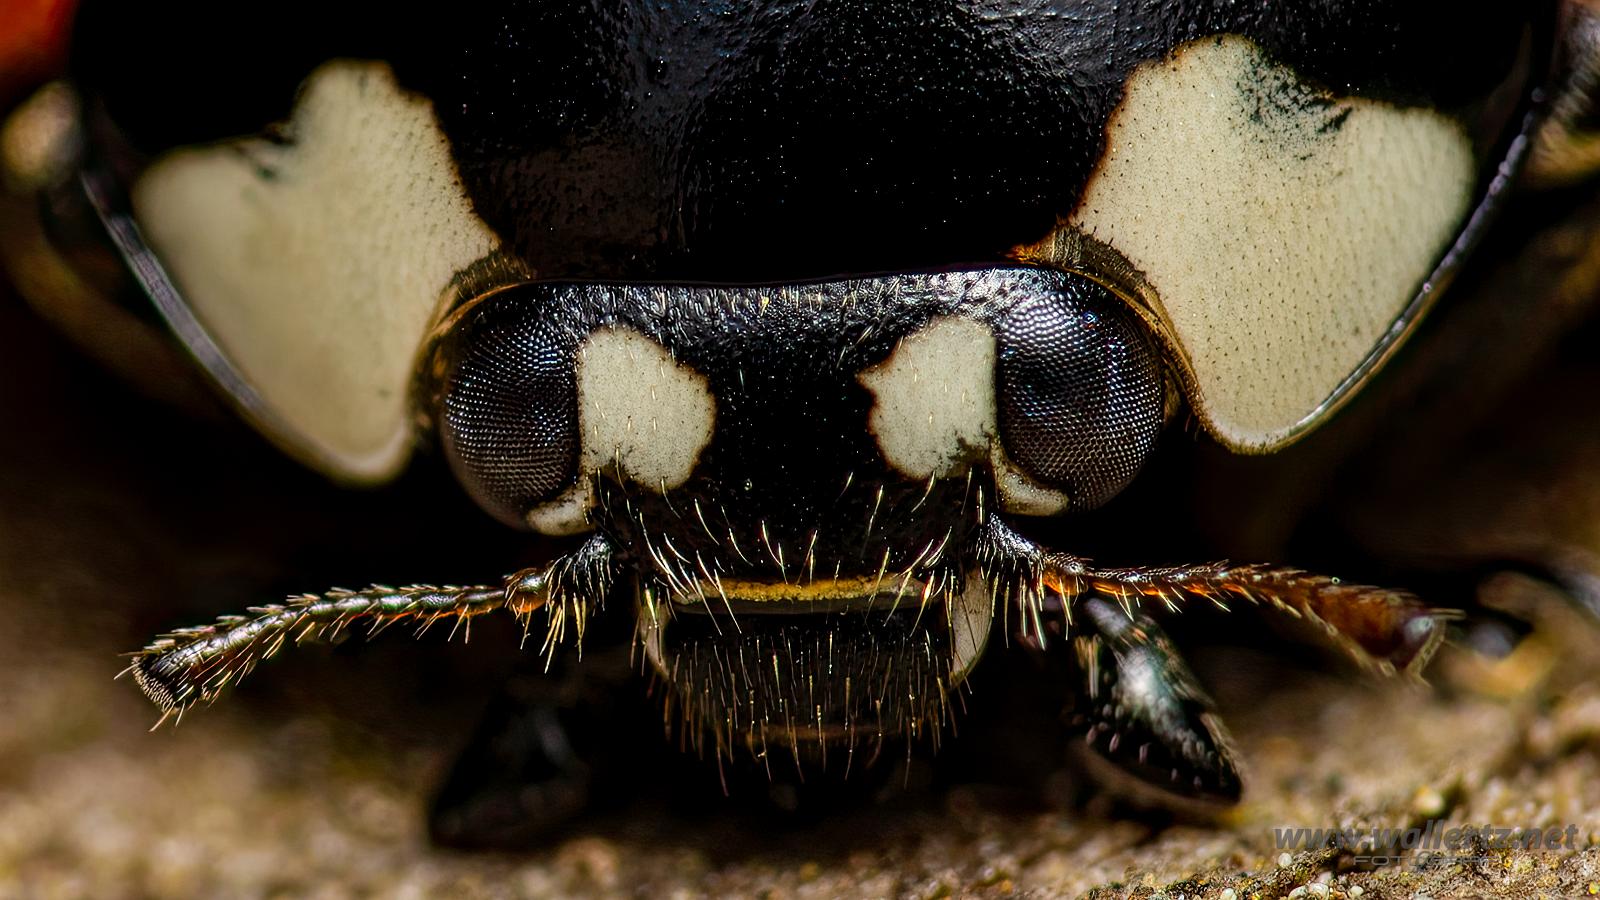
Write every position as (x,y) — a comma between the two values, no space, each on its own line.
(1079,398)
(509,417)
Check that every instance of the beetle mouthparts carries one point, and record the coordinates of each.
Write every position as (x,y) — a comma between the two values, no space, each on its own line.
(814,666)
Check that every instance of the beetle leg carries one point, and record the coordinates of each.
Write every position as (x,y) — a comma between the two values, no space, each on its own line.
(1144,712)
(555,743)
(190,665)
(519,779)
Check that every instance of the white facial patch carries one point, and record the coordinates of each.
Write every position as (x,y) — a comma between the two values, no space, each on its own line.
(317,265)
(641,414)
(641,410)
(933,412)
(1284,230)
(933,398)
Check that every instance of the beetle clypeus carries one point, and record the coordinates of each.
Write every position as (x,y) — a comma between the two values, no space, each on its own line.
(794,316)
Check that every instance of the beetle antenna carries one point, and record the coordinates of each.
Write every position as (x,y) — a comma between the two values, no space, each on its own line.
(191,665)
(1388,631)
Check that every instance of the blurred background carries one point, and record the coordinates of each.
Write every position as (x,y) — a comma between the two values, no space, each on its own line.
(1471,473)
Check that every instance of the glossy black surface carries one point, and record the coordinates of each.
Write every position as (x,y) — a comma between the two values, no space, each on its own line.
(793,468)
(774,140)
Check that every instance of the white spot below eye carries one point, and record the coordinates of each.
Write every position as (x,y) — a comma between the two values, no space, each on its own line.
(1022,495)
(565,515)
(933,407)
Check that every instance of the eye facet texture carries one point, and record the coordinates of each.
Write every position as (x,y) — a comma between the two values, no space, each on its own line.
(1079,393)
(510,413)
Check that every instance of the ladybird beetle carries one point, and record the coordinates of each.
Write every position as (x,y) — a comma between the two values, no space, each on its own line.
(790,317)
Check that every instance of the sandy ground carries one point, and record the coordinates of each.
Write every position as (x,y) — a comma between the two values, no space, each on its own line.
(118,518)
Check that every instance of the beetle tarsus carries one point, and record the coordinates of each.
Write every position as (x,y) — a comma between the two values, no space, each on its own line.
(547,751)
(1144,712)
(1142,709)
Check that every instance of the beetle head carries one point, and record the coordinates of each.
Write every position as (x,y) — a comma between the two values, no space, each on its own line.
(797,479)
